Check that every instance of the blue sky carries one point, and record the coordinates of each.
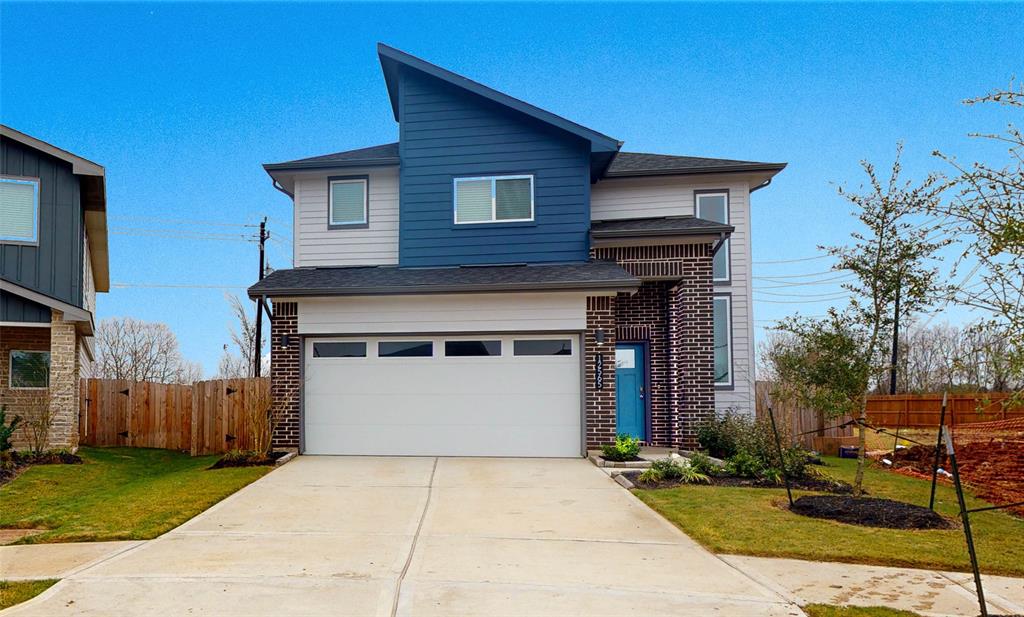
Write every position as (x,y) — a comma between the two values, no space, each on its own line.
(182,103)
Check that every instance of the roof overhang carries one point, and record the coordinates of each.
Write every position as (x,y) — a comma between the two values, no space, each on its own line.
(283,175)
(92,179)
(597,287)
(765,168)
(82,318)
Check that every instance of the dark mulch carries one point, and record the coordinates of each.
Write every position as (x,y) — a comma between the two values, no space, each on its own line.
(870,512)
(621,460)
(806,484)
(14,463)
(247,460)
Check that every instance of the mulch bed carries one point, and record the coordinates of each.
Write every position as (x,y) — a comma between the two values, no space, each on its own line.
(18,462)
(807,484)
(247,460)
(621,460)
(870,512)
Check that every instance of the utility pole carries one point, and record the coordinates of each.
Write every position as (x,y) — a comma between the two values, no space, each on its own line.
(257,361)
(895,337)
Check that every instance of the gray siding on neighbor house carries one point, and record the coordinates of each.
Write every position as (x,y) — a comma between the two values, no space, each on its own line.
(447,133)
(16,308)
(54,266)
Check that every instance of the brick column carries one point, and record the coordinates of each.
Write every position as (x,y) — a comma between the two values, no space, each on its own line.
(691,351)
(63,382)
(600,402)
(284,375)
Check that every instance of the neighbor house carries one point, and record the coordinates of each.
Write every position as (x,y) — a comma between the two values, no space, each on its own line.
(53,260)
(503,281)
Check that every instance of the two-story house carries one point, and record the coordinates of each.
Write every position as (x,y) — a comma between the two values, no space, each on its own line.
(53,260)
(503,281)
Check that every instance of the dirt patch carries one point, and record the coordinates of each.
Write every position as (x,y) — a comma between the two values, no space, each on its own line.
(10,536)
(870,512)
(248,459)
(807,484)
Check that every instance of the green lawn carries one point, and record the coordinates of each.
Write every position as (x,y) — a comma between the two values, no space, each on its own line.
(827,610)
(752,521)
(16,592)
(118,494)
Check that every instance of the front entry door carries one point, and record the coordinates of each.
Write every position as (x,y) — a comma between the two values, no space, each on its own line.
(630,390)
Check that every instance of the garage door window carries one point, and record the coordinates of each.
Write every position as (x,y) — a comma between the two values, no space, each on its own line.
(405,349)
(339,350)
(543,347)
(472,348)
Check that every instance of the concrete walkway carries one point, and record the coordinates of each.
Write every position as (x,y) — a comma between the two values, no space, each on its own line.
(925,592)
(418,536)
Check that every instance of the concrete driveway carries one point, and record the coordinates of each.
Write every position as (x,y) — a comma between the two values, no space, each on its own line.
(418,536)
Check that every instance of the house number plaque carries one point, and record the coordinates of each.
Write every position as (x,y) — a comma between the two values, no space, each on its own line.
(599,372)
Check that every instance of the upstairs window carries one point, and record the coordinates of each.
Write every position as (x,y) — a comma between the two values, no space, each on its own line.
(715,207)
(349,202)
(722,315)
(493,199)
(19,210)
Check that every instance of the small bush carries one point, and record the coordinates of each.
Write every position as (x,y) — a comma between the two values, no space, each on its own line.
(744,465)
(720,435)
(670,470)
(650,476)
(7,428)
(701,463)
(625,448)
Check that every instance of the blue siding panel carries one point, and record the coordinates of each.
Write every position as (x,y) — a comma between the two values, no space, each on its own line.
(446,133)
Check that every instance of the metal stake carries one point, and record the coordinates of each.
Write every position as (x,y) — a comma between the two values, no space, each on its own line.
(965,517)
(938,452)
(782,460)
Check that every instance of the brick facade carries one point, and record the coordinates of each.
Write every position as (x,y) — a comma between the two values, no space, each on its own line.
(285,375)
(672,314)
(600,403)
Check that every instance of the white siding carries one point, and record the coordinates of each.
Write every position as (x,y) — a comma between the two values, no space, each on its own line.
(674,196)
(88,283)
(316,245)
(505,312)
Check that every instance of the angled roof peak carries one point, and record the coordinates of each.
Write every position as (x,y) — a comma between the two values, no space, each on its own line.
(392,59)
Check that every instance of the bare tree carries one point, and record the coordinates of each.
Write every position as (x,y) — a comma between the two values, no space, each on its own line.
(128,348)
(240,362)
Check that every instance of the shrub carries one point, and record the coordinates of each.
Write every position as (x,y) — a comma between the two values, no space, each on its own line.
(7,428)
(744,465)
(651,476)
(669,470)
(720,434)
(701,463)
(625,448)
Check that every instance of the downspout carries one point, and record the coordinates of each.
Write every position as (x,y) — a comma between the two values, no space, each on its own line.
(722,237)
(762,185)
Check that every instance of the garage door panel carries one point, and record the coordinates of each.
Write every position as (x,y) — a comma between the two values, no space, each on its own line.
(461,406)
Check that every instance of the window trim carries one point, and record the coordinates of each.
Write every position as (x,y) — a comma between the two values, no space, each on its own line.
(731,384)
(727,244)
(362,179)
(494,200)
(34,181)
(10,369)
(364,343)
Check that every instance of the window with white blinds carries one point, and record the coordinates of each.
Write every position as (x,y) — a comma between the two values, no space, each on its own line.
(348,201)
(494,199)
(19,210)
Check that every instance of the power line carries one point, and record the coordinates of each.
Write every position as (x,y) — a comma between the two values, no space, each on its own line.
(800,301)
(185,236)
(781,278)
(173,286)
(793,295)
(790,261)
(826,281)
(157,219)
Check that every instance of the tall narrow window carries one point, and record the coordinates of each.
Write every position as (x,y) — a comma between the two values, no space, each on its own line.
(349,202)
(715,207)
(723,340)
(19,210)
(493,199)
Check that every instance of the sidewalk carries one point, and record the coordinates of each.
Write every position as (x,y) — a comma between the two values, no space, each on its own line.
(926,592)
(43,561)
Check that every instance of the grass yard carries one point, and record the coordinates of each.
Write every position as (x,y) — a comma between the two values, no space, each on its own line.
(16,592)
(118,494)
(754,521)
(828,610)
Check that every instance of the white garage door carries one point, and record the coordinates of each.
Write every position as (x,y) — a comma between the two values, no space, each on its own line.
(482,395)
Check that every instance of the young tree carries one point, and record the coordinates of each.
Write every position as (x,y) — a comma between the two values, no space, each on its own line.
(128,348)
(243,338)
(890,257)
(986,215)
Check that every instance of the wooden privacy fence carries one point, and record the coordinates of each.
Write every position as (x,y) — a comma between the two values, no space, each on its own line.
(796,421)
(923,410)
(207,417)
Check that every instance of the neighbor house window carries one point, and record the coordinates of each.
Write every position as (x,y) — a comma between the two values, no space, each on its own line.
(542,347)
(723,340)
(30,369)
(715,207)
(19,210)
(405,349)
(349,201)
(339,350)
(494,199)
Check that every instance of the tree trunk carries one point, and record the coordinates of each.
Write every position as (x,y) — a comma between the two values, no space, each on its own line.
(858,480)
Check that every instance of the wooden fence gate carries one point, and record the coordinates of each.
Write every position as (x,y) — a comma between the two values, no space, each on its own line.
(207,417)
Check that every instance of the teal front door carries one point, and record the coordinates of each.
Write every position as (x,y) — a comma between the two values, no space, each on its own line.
(630,390)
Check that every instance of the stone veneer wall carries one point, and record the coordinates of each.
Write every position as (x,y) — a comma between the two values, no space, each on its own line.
(285,377)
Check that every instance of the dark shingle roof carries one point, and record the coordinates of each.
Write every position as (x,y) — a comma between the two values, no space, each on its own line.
(385,154)
(374,280)
(660,226)
(643,164)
